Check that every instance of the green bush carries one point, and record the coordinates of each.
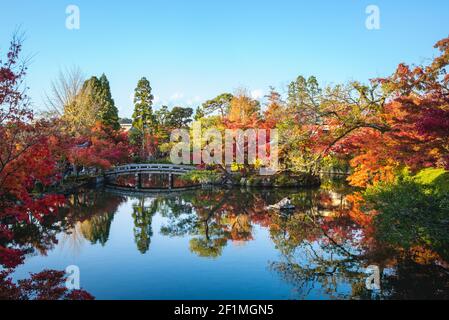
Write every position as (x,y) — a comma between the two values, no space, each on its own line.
(414,210)
(254,181)
(285,181)
(436,179)
(202,176)
(236,178)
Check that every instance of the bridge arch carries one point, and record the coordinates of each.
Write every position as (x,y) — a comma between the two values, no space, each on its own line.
(148,168)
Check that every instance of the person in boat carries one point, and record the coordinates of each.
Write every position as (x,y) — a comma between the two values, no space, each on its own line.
(285,203)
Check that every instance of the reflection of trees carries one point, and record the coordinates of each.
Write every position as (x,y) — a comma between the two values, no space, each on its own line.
(416,281)
(212,217)
(209,234)
(88,215)
(96,229)
(327,245)
(84,205)
(217,216)
(324,273)
(324,252)
(322,268)
(239,226)
(36,236)
(143,217)
(316,257)
(176,205)
(149,181)
(288,232)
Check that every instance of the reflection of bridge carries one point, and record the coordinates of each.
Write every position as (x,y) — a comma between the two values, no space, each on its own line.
(138,193)
(148,168)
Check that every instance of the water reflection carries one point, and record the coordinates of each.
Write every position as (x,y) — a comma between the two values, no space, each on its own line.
(322,248)
(148,181)
(143,215)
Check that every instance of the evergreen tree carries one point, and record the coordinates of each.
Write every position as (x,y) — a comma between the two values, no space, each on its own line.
(220,103)
(162,116)
(199,113)
(179,117)
(143,118)
(93,104)
(108,112)
(303,99)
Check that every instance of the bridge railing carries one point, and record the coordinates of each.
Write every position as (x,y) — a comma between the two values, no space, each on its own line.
(150,167)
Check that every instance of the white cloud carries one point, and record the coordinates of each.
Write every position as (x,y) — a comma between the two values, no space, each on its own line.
(257,94)
(194,101)
(176,96)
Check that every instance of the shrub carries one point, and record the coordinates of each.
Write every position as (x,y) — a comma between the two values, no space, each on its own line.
(413,210)
(202,176)
(285,181)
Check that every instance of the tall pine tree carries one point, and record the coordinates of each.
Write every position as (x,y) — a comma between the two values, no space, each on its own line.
(108,112)
(144,121)
(96,104)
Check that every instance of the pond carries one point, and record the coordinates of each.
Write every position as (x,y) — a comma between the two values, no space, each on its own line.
(223,244)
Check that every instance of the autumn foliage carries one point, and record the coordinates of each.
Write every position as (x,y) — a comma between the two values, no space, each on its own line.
(102,148)
(392,124)
(25,158)
(45,285)
(26,161)
(407,125)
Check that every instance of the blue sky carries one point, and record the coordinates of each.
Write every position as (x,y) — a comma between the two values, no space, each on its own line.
(193,50)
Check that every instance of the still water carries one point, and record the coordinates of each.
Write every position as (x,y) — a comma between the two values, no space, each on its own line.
(224,244)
